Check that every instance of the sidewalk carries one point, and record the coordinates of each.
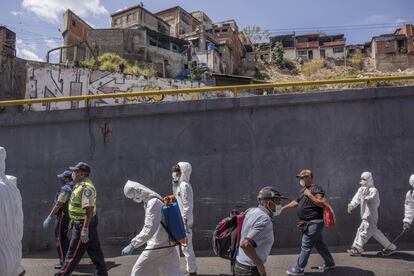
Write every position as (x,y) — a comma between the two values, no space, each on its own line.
(368,265)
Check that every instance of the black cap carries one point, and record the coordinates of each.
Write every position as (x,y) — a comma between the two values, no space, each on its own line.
(269,193)
(81,166)
(65,174)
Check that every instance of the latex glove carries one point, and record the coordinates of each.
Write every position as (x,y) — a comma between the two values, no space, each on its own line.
(406,226)
(46,222)
(128,250)
(349,209)
(84,235)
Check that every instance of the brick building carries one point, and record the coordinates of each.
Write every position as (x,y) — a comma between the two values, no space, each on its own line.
(137,16)
(181,22)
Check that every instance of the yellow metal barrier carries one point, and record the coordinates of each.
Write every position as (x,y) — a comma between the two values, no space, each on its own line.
(233,88)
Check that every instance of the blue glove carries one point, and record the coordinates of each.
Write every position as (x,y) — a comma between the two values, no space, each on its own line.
(128,250)
(46,222)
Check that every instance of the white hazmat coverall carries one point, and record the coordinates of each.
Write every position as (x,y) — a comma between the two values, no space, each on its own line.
(183,192)
(368,197)
(157,262)
(11,222)
(409,203)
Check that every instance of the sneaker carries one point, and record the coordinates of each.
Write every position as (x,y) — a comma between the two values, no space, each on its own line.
(325,268)
(58,266)
(354,252)
(191,274)
(295,272)
(388,252)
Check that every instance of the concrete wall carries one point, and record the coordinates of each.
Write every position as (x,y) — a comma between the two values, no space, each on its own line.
(235,145)
(48,81)
(393,62)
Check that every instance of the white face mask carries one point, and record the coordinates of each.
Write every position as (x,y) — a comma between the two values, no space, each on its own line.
(363,182)
(278,210)
(74,177)
(175,177)
(302,182)
(137,200)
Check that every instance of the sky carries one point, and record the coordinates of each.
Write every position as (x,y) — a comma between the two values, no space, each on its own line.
(37,22)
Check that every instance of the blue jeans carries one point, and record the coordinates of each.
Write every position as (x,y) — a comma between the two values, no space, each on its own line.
(312,237)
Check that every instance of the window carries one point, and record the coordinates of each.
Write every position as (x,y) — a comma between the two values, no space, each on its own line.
(337,50)
(153,42)
(73,23)
(323,53)
(225,30)
(216,31)
(302,53)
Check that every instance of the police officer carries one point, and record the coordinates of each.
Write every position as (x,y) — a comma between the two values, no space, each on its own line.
(82,212)
(60,210)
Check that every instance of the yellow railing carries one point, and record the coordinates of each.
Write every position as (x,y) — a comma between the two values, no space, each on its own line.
(233,88)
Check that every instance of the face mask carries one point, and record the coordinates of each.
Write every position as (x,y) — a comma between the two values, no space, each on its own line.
(137,200)
(175,177)
(302,182)
(363,182)
(74,176)
(278,210)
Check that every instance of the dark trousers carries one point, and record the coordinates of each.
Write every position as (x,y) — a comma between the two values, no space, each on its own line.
(61,235)
(77,249)
(245,270)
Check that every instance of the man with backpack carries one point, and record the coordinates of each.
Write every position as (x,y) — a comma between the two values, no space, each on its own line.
(310,203)
(256,239)
(60,210)
(160,256)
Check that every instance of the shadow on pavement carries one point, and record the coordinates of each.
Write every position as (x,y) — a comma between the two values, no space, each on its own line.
(396,256)
(90,268)
(343,270)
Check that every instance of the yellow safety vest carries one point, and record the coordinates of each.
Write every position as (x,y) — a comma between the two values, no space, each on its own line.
(76,212)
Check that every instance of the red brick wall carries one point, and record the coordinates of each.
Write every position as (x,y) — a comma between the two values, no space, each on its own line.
(386,47)
(77,29)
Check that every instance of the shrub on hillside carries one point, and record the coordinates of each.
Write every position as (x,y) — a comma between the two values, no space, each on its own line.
(313,66)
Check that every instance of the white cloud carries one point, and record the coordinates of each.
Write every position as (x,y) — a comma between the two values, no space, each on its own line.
(16,13)
(52,10)
(27,54)
(51,43)
(27,50)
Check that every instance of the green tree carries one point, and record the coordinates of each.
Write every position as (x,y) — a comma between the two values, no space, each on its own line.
(277,54)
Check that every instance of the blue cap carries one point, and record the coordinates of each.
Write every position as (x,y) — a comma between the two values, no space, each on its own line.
(65,174)
(81,166)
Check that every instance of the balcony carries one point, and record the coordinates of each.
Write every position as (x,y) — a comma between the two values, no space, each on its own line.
(306,45)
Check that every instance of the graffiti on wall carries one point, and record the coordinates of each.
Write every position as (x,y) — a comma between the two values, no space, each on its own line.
(49,81)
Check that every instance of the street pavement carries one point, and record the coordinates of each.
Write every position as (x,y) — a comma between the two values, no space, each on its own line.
(277,264)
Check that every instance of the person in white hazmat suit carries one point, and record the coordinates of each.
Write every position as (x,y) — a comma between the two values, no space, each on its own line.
(183,192)
(163,259)
(409,208)
(11,222)
(368,198)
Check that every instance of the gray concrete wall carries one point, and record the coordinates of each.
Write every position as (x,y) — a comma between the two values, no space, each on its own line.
(235,146)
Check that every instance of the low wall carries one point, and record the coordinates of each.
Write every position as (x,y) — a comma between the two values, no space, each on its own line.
(236,146)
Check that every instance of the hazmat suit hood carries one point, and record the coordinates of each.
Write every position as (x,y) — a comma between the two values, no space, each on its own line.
(138,192)
(186,169)
(411,181)
(367,180)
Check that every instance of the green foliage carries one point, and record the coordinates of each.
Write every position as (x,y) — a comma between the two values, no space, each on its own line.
(277,54)
(111,62)
(88,64)
(290,65)
(313,66)
(356,61)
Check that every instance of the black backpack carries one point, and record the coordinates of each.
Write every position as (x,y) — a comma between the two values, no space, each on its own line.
(226,237)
